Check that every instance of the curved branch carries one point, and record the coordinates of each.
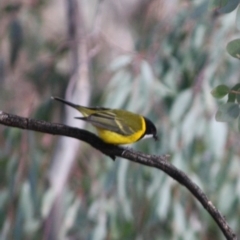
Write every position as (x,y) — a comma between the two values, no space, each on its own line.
(159,162)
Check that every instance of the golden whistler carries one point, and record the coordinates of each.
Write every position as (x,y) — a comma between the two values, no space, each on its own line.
(115,126)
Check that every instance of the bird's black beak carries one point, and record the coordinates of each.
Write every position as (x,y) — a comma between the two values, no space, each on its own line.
(155,137)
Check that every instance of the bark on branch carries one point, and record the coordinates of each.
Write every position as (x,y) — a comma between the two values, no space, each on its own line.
(159,162)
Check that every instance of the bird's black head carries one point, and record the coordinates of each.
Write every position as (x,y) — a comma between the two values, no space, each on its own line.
(151,129)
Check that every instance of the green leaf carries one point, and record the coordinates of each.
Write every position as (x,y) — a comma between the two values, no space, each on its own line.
(236,87)
(238,96)
(238,18)
(220,91)
(229,7)
(227,112)
(231,97)
(233,110)
(216,4)
(233,48)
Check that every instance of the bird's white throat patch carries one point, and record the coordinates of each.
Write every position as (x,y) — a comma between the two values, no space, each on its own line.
(148,136)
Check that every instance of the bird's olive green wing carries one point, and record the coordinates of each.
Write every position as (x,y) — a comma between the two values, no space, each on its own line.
(110,121)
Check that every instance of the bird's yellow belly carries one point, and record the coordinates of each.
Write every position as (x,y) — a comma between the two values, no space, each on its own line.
(117,139)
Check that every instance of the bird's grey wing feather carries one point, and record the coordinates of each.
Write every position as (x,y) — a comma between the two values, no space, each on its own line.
(109,121)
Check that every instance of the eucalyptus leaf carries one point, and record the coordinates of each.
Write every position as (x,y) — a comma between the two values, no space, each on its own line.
(164,200)
(229,7)
(233,48)
(122,189)
(216,137)
(226,198)
(180,219)
(218,3)
(238,96)
(231,97)
(181,105)
(189,125)
(121,80)
(120,62)
(236,87)
(235,93)
(220,91)
(146,72)
(238,18)
(227,112)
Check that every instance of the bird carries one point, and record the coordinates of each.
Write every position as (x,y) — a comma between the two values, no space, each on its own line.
(115,126)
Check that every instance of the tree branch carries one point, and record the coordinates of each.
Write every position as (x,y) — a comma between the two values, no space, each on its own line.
(159,162)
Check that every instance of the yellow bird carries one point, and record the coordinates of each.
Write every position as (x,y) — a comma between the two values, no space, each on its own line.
(116,126)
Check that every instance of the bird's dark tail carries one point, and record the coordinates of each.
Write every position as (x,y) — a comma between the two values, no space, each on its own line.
(66,102)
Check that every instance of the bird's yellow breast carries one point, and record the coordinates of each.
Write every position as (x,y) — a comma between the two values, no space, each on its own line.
(118,139)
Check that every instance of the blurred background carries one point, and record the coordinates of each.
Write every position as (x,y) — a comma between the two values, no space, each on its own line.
(154,57)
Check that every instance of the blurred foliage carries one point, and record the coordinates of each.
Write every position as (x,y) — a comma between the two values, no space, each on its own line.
(229,111)
(177,57)
(233,48)
(15,39)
